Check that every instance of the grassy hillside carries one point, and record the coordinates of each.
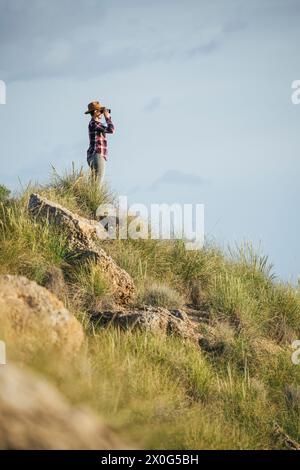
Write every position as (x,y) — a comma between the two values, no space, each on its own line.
(162,392)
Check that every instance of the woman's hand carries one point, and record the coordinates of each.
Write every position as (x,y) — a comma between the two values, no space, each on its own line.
(106,114)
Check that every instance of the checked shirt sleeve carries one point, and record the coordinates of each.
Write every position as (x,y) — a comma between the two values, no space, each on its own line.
(98,126)
(110,128)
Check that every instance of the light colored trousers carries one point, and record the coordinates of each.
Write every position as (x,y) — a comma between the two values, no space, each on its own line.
(97,164)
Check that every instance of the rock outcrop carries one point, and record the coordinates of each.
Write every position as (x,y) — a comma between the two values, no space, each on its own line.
(34,415)
(81,232)
(27,307)
(153,319)
(159,320)
(83,235)
(55,282)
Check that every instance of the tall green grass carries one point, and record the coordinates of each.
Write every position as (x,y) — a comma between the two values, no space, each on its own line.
(162,392)
(28,247)
(79,191)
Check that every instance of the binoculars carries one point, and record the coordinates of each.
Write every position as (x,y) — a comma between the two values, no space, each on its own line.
(105,109)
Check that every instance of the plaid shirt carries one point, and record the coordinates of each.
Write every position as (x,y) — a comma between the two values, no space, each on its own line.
(97,133)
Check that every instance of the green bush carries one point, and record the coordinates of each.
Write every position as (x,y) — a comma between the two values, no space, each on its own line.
(160,295)
(4,193)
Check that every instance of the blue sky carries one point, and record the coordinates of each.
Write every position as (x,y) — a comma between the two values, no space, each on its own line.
(200,93)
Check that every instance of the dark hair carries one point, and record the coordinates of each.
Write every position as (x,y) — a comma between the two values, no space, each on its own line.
(93,112)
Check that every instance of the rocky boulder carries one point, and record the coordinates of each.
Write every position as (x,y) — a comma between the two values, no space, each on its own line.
(27,307)
(81,232)
(169,322)
(34,415)
(148,318)
(84,236)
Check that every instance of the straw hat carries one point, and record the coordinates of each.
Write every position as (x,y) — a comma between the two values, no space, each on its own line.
(93,106)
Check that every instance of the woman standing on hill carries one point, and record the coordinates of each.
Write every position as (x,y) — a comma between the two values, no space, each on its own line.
(97,151)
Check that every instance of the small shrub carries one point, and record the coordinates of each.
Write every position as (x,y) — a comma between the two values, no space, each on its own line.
(284,313)
(232,301)
(160,295)
(89,285)
(4,193)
